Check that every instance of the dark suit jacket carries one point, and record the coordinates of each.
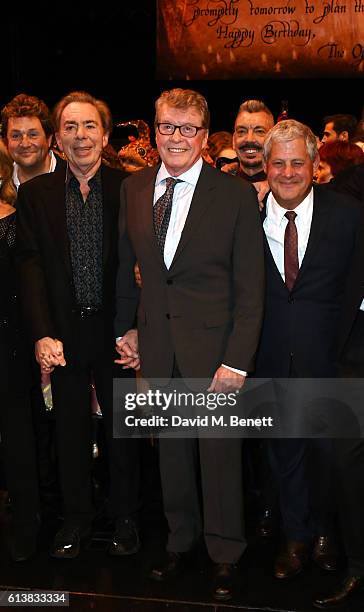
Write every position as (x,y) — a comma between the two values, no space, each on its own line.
(354,293)
(300,327)
(350,181)
(61,163)
(43,256)
(207,308)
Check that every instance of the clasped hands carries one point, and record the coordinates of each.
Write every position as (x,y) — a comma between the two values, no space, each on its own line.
(49,354)
(224,380)
(127,347)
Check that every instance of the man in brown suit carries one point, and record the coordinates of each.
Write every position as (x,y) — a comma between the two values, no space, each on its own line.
(199,316)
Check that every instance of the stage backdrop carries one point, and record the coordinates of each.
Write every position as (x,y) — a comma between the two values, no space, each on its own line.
(236,39)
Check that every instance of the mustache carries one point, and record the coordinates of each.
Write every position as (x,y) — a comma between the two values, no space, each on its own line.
(251,145)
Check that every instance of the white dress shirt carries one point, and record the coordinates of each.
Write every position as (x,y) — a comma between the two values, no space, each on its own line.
(275,225)
(182,198)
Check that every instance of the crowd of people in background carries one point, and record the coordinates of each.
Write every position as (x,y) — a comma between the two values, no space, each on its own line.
(200,256)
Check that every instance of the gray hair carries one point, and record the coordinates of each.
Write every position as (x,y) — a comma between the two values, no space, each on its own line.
(287,130)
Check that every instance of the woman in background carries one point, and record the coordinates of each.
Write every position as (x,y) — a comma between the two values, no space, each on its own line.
(16,427)
(220,149)
(335,159)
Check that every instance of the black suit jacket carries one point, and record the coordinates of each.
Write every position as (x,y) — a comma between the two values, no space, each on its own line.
(350,181)
(207,308)
(354,293)
(61,164)
(43,256)
(300,327)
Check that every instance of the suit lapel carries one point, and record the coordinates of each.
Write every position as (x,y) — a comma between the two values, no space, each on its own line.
(199,204)
(145,206)
(56,214)
(269,256)
(110,198)
(320,215)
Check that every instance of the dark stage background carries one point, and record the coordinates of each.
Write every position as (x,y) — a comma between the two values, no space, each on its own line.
(109,50)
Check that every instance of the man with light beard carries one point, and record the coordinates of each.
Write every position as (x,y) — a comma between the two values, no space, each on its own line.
(28,131)
(253,121)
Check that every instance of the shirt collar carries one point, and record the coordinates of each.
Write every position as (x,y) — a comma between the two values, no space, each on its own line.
(191,175)
(254,178)
(94,180)
(52,167)
(276,212)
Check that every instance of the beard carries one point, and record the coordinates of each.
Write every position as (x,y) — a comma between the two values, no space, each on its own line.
(252,163)
(246,160)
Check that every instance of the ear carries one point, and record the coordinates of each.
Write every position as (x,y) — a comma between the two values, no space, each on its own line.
(316,162)
(49,141)
(59,142)
(344,136)
(205,139)
(105,140)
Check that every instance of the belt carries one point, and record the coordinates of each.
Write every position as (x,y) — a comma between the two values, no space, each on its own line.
(86,311)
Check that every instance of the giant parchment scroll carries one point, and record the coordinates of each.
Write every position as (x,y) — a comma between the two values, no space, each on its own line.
(235,39)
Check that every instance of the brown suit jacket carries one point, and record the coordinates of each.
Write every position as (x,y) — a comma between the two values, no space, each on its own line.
(207,308)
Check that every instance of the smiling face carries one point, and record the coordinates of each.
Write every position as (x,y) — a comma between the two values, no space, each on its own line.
(249,134)
(27,143)
(82,137)
(290,172)
(178,152)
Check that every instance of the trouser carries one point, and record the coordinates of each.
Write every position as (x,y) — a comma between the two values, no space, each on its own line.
(71,395)
(349,457)
(19,455)
(221,482)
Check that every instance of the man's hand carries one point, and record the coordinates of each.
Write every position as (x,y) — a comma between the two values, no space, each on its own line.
(230,168)
(262,188)
(127,347)
(49,354)
(226,381)
(137,275)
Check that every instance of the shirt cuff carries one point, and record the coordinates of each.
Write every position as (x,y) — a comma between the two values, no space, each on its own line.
(242,372)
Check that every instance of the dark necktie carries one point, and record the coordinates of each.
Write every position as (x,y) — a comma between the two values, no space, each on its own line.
(290,251)
(162,212)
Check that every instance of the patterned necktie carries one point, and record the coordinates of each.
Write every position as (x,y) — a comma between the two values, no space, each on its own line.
(162,212)
(290,250)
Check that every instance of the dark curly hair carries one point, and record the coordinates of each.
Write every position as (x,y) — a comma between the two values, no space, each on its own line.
(27,106)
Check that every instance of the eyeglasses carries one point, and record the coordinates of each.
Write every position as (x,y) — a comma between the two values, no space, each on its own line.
(222,161)
(187,131)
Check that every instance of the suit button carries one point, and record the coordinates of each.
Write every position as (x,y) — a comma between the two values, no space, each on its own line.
(169,281)
(291,299)
(168,315)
